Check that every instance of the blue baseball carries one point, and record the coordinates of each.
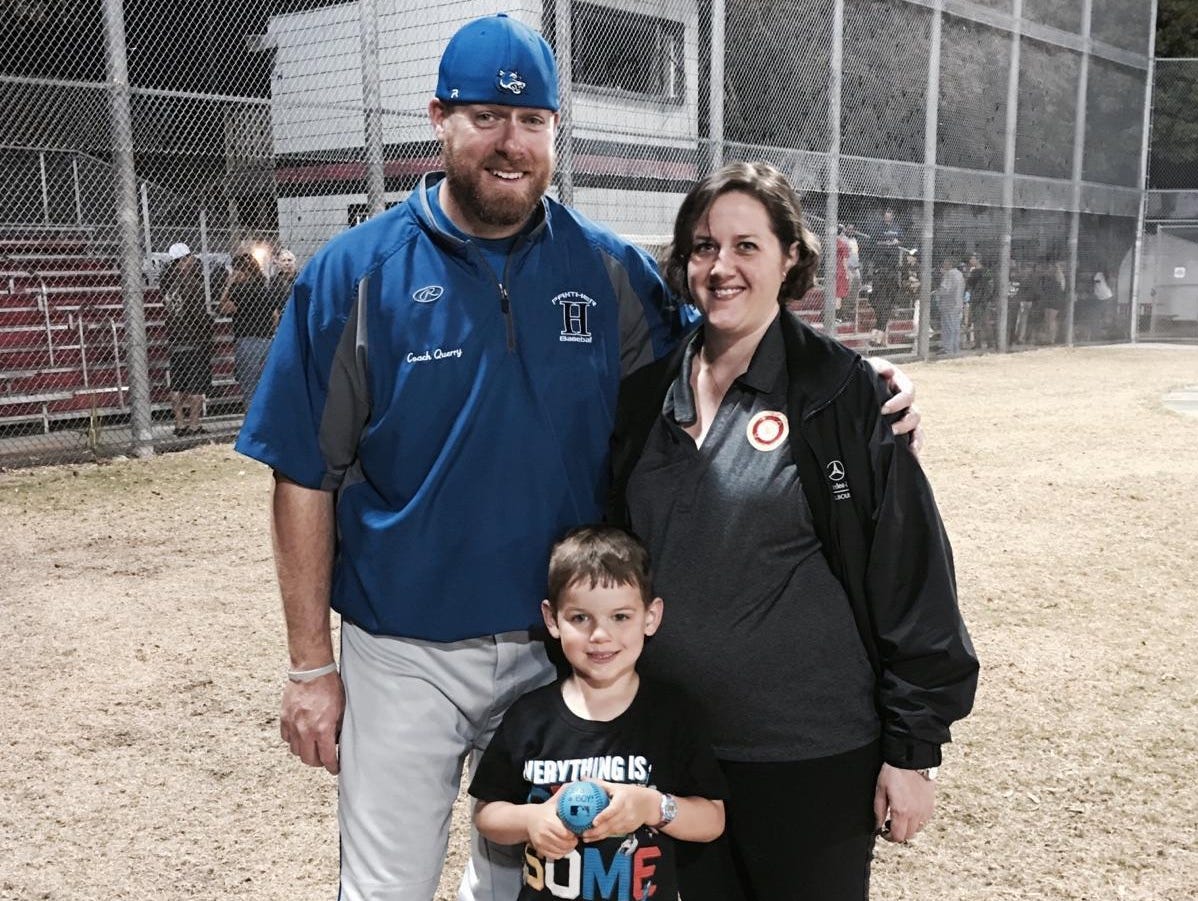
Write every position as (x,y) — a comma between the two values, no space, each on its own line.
(579,803)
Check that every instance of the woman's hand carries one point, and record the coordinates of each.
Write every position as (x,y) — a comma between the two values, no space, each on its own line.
(903,803)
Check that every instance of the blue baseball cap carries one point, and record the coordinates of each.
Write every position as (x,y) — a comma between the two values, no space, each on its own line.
(498,60)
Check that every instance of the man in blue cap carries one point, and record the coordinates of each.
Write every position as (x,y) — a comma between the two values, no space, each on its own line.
(436,409)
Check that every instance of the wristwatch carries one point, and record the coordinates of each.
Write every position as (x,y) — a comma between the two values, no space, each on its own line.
(669,810)
(930,773)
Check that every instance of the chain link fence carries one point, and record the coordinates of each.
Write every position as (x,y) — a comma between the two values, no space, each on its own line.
(974,170)
(1169,263)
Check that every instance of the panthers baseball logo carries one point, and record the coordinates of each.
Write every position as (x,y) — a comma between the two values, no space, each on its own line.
(767,430)
(510,82)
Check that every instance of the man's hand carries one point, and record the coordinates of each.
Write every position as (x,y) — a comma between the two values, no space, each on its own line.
(902,391)
(903,803)
(311,720)
(630,808)
(546,832)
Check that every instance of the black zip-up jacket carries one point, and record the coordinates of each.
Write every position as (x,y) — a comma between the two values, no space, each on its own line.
(876,519)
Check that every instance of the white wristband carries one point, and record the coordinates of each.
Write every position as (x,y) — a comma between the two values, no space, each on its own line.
(307,675)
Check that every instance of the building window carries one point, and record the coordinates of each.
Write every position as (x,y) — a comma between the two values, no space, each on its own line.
(630,53)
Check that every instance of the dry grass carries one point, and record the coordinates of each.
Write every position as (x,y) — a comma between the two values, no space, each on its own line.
(143,661)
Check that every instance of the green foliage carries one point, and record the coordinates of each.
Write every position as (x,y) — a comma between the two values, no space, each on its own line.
(1177,28)
(1174,123)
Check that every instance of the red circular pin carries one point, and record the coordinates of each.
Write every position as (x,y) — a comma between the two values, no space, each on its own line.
(767,430)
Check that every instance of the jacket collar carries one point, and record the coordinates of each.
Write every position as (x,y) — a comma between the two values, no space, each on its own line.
(418,202)
(819,367)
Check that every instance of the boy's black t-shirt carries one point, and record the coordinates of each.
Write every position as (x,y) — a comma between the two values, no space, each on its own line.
(659,741)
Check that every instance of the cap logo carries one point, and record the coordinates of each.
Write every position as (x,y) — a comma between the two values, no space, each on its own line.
(453,95)
(510,82)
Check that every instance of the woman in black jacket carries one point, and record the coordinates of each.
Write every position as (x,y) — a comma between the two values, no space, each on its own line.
(799,547)
(250,304)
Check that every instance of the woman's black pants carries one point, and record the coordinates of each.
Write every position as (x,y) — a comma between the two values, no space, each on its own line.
(800,831)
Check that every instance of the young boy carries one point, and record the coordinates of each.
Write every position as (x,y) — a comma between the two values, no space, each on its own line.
(637,739)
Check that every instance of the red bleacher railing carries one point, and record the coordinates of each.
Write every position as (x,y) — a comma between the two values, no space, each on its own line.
(62,337)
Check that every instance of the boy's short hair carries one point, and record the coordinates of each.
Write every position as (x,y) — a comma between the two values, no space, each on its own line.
(599,555)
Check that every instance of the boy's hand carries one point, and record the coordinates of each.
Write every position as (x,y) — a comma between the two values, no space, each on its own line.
(631,807)
(547,833)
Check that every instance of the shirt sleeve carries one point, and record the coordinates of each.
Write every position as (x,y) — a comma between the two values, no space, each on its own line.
(313,399)
(928,668)
(650,320)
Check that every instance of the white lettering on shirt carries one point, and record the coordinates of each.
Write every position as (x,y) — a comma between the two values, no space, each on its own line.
(437,353)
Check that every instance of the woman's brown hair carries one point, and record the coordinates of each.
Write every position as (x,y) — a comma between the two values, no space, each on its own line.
(766,184)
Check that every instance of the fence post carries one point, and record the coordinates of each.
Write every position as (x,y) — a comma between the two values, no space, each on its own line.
(1079,150)
(372,107)
(41,159)
(132,285)
(1137,255)
(715,88)
(832,208)
(78,193)
(204,257)
(1008,183)
(145,218)
(931,121)
(563,35)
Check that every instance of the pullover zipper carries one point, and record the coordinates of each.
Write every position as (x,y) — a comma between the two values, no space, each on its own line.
(505,304)
(505,299)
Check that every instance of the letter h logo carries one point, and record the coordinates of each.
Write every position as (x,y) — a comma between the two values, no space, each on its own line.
(574,308)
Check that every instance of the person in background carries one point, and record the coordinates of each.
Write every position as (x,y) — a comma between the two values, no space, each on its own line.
(799,545)
(979,285)
(1096,312)
(950,300)
(853,264)
(1050,299)
(189,329)
(844,250)
(886,267)
(281,282)
(245,298)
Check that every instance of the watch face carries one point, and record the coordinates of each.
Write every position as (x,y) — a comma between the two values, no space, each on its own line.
(669,808)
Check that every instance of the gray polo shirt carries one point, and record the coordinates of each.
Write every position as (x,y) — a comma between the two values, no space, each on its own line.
(756,626)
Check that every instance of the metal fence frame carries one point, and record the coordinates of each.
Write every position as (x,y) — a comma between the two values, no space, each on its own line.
(928,183)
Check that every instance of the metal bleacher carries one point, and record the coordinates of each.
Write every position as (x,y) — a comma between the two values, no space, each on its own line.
(62,335)
(855,322)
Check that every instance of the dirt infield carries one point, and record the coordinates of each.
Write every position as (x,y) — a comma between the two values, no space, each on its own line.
(143,659)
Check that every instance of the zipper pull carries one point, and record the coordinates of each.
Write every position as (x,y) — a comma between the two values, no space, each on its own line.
(504,302)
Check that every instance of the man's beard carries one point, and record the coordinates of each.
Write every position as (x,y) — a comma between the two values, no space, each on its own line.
(499,208)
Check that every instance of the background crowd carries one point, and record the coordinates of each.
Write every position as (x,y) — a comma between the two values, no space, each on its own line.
(251,291)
